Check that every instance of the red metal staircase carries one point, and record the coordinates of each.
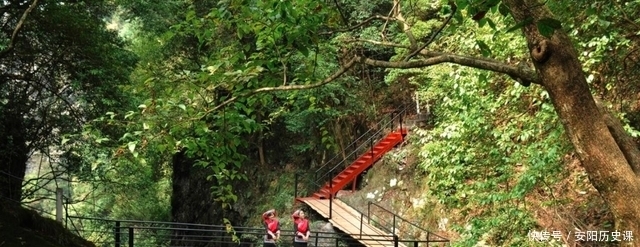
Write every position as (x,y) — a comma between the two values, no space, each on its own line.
(362,163)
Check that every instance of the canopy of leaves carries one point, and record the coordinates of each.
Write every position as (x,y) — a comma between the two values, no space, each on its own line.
(221,81)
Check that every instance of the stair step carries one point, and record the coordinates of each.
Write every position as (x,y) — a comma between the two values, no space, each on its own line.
(350,169)
(365,160)
(320,196)
(374,151)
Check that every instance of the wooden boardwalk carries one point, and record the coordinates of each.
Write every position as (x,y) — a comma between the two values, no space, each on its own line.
(347,220)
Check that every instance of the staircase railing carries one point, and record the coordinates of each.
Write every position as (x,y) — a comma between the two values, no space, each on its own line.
(430,236)
(364,143)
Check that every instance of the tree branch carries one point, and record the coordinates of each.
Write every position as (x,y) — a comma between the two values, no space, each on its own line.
(522,73)
(381,43)
(625,142)
(344,19)
(329,79)
(366,21)
(433,37)
(429,54)
(17,29)
(405,27)
(384,27)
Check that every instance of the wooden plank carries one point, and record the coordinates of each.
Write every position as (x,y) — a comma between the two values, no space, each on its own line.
(347,219)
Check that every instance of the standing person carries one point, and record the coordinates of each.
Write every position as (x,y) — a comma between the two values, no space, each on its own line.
(302,231)
(272,226)
(296,218)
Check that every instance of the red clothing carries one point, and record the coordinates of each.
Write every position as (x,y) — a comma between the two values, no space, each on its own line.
(301,227)
(271,224)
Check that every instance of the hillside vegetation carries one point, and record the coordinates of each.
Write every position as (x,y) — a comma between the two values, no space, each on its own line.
(204,111)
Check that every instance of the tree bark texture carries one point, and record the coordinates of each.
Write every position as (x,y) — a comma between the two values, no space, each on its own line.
(14,154)
(193,202)
(560,71)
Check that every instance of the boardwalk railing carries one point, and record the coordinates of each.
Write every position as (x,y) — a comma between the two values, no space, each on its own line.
(396,219)
(130,233)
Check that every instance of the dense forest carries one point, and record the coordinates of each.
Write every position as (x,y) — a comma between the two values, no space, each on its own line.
(205,111)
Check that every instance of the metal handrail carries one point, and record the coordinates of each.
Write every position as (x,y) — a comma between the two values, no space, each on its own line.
(125,231)
(404,108)
(369,219)
(350,144)
(395,216)
(369,142)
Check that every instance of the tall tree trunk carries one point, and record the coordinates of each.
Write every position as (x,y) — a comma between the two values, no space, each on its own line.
(338,133)
(192,202)
(263,161)
(556,61)
(14,154)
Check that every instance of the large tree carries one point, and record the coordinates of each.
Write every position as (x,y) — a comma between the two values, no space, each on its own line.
(609,156)
(610,159)
(604,148)
(59,66)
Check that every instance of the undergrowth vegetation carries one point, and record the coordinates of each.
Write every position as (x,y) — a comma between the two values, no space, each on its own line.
(482,210)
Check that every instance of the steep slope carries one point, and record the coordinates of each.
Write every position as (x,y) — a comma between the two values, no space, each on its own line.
(23,227)
(399,185)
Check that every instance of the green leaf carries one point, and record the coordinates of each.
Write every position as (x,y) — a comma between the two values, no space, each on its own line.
(523,23)
(100,140)
(503,9)
(132,146)
(482,22)
(458,17)
(303,49)
(183,107)
(484,48)
(551,22)
(462,4)
(129,114)
(547,26)
(161,148)
(491,23)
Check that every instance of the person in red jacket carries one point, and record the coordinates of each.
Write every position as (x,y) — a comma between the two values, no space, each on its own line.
(301,229)
(272,226)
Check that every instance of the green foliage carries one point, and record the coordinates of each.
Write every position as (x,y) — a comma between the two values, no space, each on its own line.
(494,141)
(193,91)
(490,150)
(547,26)
(65,69)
